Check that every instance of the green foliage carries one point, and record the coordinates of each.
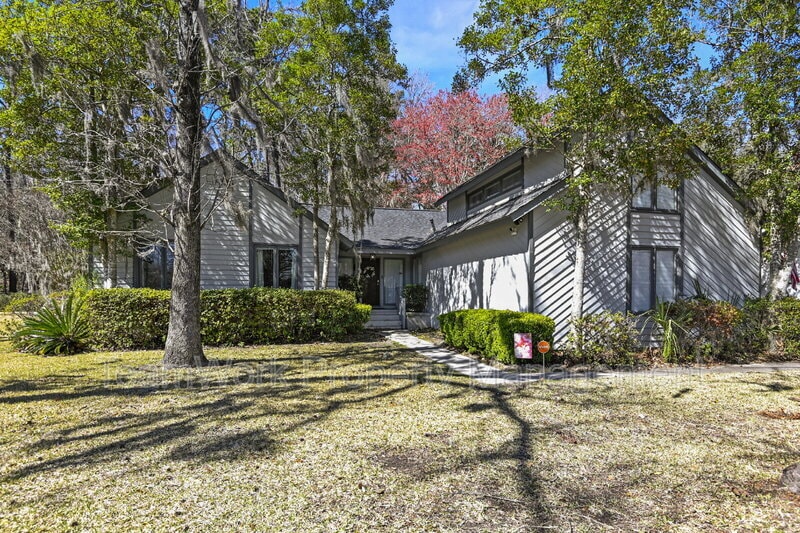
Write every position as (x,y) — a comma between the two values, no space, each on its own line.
(787,318)
(138,318)
(671,321)
(603,339)
(25,303)
(490,332)
(708,328)
(58,329)
(753,331)
(416,297)
(127,319)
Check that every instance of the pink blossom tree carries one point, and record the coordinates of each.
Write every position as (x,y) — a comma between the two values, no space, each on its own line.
(441,140)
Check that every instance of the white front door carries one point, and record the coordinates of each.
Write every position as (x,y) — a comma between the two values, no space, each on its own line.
(392,281)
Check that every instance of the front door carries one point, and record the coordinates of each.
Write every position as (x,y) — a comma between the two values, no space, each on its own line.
(370,274)
(392,281)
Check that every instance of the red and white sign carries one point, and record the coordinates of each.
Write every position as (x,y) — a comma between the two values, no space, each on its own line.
(523,346)
(543,347)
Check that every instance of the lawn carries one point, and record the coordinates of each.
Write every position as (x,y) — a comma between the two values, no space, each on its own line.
(367,436)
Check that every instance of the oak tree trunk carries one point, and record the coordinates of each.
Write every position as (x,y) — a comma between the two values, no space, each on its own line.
(330,242)
(184,346)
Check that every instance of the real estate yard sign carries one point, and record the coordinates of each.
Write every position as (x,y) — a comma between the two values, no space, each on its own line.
(523,346)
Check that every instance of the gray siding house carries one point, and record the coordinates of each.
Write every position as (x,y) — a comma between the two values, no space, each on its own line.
(497,243)
(254,235)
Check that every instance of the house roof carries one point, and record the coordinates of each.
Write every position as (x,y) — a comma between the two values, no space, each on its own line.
(512,209)
(393,230)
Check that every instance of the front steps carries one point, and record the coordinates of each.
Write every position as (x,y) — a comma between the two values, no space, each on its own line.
(384,319)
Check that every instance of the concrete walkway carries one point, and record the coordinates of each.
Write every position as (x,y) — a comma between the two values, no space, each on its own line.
(489,375)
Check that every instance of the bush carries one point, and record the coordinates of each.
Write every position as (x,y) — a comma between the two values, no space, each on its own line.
(708,330)
(138,318)
(416,297)
(751,335)
(25,303)
(603,339)
(58,329)
(787,322)
(490,332)
(127,319)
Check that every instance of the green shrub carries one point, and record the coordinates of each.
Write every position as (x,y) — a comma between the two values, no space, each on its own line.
(138,318)
(490,332)
(57,329)
(127,319)
(707,331)
(751,334)
(25,303)
(787,319)
(603,339)
(416,297)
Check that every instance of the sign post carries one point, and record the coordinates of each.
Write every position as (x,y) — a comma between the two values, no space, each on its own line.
(543,347)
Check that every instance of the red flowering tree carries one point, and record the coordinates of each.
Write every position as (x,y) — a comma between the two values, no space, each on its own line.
(443,139)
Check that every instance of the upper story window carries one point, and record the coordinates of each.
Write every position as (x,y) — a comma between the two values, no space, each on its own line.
(656,198)
(495,189)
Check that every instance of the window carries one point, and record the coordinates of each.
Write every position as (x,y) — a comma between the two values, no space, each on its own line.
(660,198)
(495,189)
(653,274)
(154,266)
(276,267)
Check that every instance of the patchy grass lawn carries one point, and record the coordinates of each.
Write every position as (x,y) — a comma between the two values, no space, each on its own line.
(367,436)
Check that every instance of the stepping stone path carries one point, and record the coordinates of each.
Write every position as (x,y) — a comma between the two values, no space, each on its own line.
(791,478)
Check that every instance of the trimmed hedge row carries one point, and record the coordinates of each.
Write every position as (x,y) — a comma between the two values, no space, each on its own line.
(491,332)
(127,319)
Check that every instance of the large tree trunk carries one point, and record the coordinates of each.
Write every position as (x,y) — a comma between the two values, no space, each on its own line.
(184,346)
(12,236)
(581,243)
(330,242)
(110,249)
(315,241)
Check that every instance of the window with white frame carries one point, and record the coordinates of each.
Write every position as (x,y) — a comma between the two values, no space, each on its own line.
(276,267)
(653,277)
(654,197)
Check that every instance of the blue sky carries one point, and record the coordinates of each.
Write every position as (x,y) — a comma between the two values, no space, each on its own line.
(425,35)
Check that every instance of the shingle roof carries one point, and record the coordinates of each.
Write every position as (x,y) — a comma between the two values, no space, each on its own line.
(400,230)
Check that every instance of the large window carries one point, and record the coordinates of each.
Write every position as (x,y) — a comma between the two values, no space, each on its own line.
(658,198)
(276,267)
(153,267)
(653,277)
(495,188)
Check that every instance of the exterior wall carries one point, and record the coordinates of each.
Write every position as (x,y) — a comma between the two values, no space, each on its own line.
(486,269)
(719,250)
(553,266)
(542,166)
(224,242)
(605,278)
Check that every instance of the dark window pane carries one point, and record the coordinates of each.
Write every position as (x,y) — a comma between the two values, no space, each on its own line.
(286,269)
(265,268)
(151,268)
(169,266)
(665,275)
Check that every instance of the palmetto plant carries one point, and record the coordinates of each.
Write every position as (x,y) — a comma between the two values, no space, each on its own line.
(672,323)
(58,329)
